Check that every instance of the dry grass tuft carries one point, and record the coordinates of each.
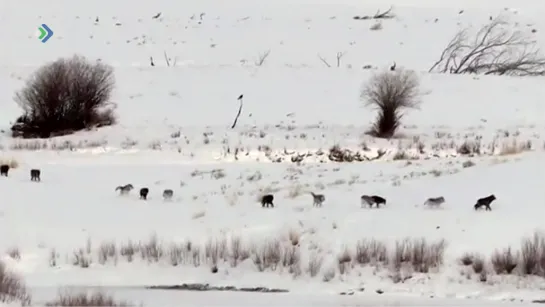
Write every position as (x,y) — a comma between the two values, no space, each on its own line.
(12,287)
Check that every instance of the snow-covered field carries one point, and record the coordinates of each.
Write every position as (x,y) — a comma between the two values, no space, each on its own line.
(72,229)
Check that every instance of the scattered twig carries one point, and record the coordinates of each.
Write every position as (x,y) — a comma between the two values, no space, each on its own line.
(339,57)
(323,61)
(378,15)
(262,58)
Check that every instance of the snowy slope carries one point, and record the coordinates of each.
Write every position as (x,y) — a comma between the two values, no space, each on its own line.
(174,131)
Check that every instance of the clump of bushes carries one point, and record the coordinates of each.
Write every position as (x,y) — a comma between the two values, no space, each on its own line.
(65,96)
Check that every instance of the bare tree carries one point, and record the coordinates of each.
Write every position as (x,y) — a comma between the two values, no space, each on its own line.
(390,92)
(495,49)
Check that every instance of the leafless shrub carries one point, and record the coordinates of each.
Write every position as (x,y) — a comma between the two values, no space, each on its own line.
(495,49)
(291,259)
(129,249)
(238,252)
(467,259)
(80,299)
(370,251)
(65,96)
(81,258)
(12,287)
(469,147)
(514,147)
(215,250)
(533,255)
(195,255)
(176,253)
(400,155)
(419,253)
(107,250)
(315,262)
(483,276)
(53,257)
(504,261)
(478,263)
(343,261)
(152,250)
(268,255)
(391,93)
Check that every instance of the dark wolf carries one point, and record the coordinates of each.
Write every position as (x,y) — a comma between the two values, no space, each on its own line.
(144,193)
(4,169)
(124,189)
(267,200)
(167,194)
(318,199)
(372,200)
(485,201)
(378,200)
(35,175)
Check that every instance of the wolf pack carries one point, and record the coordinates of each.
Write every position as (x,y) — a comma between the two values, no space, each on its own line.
(35,175)
(125,189)
(377,201)
(267,199)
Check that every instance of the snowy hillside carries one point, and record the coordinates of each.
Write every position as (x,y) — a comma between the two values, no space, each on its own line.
(300,66)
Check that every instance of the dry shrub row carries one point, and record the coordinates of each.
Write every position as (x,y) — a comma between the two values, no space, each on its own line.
(12,287)
(528,260)
(279,253)
(99,299)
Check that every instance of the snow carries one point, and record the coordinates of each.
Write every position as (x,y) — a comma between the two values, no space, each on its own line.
(173,132)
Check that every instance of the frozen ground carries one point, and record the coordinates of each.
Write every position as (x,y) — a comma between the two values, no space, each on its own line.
(173,132)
